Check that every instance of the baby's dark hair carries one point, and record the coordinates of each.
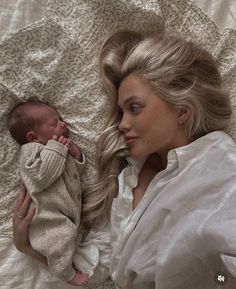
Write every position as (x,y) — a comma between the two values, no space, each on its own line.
(21,120)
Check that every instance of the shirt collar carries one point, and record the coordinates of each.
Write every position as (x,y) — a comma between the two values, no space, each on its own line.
(186,152)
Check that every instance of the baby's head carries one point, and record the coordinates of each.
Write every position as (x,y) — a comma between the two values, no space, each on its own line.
(35,121)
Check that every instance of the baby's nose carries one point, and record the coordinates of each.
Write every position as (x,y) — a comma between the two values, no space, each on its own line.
(62,123)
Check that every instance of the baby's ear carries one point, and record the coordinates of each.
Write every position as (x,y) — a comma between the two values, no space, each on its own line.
(32,136)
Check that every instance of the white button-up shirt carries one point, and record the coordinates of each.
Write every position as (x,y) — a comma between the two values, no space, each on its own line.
(182,234)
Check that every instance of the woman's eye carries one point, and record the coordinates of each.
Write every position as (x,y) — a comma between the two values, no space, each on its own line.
(135,108)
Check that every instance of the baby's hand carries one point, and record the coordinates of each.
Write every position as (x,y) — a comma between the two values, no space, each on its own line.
(63,140)
(73,149)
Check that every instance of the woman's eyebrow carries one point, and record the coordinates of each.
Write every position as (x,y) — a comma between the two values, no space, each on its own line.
(128,100)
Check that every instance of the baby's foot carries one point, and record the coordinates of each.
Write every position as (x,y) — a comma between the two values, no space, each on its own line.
(80,279)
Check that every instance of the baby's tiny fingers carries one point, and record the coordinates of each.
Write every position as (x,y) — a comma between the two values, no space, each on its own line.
(62,140)
(69,141)
(54,137)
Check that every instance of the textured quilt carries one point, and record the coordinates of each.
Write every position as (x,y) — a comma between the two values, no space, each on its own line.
(55,60)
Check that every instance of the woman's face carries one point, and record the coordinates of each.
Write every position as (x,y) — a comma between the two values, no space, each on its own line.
(149,124)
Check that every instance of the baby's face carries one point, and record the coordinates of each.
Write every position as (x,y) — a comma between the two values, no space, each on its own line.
(50,123)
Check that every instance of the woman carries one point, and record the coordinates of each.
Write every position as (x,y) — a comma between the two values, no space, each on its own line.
(173,218)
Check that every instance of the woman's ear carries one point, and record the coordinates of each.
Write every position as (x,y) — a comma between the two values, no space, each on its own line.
(184,113)
(32,136)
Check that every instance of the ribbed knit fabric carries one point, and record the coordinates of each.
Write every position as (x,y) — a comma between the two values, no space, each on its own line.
(52,180)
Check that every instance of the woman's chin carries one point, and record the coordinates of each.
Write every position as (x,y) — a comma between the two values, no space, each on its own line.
(137,155)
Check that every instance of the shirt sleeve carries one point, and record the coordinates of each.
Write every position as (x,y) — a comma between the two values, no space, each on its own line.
(220,231)
(41,165)
(93,254)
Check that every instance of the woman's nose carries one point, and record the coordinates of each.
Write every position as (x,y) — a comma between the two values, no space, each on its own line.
(124,124)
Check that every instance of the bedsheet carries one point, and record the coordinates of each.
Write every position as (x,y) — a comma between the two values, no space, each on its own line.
(15,14)
(54,56)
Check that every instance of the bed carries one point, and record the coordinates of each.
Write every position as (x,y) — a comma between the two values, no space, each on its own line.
(48,49)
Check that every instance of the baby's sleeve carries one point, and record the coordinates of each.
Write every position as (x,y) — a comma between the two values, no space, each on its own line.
(80,164)
(41,165)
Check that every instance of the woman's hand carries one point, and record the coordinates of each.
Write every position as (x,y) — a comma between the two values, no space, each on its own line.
(22,217)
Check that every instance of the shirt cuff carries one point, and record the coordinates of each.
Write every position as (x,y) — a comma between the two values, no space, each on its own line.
(82,162)
(58,147)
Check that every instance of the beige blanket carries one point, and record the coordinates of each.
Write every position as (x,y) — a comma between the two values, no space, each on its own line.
(55,60)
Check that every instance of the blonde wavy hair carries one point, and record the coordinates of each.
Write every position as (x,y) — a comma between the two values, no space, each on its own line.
(180,72)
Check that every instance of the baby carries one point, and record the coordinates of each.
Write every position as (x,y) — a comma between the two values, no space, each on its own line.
(50,165)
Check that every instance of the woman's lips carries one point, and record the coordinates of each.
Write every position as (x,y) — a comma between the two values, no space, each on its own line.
(130,140)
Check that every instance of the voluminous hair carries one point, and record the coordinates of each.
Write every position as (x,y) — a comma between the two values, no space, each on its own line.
(180,72)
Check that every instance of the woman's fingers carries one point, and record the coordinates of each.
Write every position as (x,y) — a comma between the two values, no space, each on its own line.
(22,217)
(20,198)
(28,218)
(21,210)
(25,206)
